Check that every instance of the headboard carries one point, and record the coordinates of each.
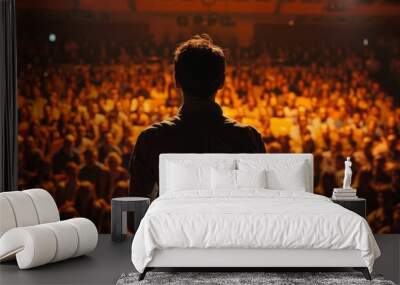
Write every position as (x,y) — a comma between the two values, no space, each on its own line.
(165,157)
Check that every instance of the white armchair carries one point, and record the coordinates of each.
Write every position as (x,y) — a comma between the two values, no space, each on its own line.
(31,230)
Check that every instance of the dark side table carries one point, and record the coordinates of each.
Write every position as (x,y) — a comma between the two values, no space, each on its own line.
(119,207)
(358,205)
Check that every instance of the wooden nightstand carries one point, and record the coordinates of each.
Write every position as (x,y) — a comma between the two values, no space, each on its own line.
(358,205)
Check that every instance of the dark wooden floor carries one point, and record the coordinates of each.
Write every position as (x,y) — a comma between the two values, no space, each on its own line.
(110,260)
(389,262)
(103,266)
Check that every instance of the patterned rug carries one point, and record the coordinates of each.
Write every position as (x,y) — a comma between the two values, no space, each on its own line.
(243,278)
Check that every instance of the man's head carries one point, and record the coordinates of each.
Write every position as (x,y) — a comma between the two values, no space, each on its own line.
(199,67)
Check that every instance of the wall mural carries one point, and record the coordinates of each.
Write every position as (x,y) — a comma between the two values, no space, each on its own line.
(83,104)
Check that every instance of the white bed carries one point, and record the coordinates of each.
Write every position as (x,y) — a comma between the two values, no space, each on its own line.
(249,227)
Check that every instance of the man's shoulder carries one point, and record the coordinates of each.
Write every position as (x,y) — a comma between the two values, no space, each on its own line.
(160,127)
(239,127)
(172,125)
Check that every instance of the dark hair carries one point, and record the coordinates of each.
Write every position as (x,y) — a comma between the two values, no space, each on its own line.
(199,66)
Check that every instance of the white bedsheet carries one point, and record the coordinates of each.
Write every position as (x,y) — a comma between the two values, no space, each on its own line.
(251,218)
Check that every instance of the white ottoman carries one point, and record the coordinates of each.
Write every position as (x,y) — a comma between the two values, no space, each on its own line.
(31,232)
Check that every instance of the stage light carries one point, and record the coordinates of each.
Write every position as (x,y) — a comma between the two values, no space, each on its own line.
(227,21)
(365,42)
(212,19)
(199,20)
(52,38)
(182,21)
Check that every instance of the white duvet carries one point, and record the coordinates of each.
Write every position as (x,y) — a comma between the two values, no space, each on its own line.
(250,219)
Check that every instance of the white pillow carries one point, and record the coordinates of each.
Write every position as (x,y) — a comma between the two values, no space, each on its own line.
(181,177)
(236,179)
(251,178)
(289,179)
(223,179)
(281,174)
(187,174)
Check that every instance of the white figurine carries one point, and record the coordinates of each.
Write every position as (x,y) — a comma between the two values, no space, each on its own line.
(347,174)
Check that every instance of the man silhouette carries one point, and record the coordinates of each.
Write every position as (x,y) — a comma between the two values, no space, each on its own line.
(199,126)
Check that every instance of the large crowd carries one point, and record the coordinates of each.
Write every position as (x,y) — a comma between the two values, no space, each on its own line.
(82,106)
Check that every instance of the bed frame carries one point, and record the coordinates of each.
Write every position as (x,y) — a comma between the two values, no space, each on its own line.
(237,258)
(243,259)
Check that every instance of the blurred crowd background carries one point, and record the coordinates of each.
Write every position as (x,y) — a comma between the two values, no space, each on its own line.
(318,76)
(78,122)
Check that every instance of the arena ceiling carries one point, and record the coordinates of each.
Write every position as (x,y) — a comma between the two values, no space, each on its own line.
(280,7)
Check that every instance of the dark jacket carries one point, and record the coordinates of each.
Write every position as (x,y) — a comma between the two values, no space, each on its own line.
(195,129)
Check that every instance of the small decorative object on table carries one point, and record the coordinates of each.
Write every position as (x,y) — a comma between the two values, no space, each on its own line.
(347,196)
(347,192)
(119,207)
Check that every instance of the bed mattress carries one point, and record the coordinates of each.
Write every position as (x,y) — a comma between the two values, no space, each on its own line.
(250,219)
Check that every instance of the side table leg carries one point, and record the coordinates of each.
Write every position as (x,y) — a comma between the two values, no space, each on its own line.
(140,211)
(116,222)
(124,224)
